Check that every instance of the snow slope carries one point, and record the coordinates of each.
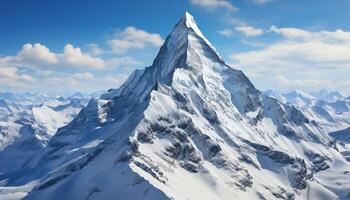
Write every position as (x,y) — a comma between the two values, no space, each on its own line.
(187,127)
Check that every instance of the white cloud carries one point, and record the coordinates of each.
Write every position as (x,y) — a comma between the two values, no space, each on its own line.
(214,4)
(39,56)
(123,61)
(291,32)
(296,34)
(74,57)
(36,68)
(260,2)
(235,21)
(84,76)
(301,48)
(306,59)
(36,53)
(133,38)
(62,82)
(226,32)
(80,81)
(249,31)
(282,83)
(94,49)
(8,72)
(253,43)
(293,55)
(115,80)
(10,78)
(11,74)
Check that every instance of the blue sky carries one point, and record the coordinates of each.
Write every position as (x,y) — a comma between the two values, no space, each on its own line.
(94,45)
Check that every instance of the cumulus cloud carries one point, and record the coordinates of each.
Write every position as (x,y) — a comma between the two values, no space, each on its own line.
(241,27)
(302,56)
(37,68)
(74,57)
(94,49)
(36,53)
(214,4)
(249,31)
(133,38)
(10,78)
(11,74)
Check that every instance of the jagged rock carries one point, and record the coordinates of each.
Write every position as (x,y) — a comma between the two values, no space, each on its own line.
(299,178)
(319,161)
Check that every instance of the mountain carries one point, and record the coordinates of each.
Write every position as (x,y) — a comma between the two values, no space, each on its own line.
(275,94)
(300,98)
(304,99)
(329,96)
(187,127)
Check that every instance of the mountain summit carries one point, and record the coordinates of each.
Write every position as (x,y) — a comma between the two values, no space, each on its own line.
(187,127)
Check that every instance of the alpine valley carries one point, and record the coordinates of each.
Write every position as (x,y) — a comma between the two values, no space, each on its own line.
(187,127)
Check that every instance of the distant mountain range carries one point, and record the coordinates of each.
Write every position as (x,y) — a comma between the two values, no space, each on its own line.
(29,120)
(329,108)
(302,98)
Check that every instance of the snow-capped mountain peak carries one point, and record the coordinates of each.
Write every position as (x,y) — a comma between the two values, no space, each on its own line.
(187,22)
(185,35)
(327,95)
(300,98)
(184,48)
(299,93)
(187,127)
